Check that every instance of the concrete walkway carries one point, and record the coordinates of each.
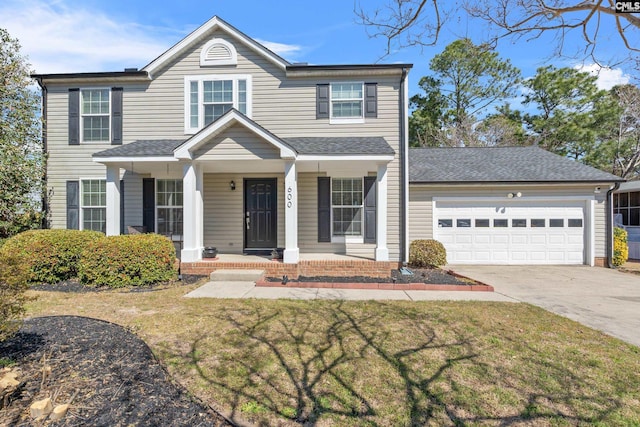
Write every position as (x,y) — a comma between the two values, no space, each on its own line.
(247,289)
(601,298)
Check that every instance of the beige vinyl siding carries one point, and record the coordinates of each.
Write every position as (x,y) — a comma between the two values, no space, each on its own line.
(237,143)
(285,107)
(421,204)
(224,210)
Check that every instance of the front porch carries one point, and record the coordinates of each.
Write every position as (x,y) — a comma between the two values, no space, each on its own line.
(309,264)
(237,187)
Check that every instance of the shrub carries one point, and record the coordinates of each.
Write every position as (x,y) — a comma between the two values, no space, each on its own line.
(620,247)
(129,260)
(51,256)
(13,284)
(427,253)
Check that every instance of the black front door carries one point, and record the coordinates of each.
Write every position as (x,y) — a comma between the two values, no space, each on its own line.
(260,210)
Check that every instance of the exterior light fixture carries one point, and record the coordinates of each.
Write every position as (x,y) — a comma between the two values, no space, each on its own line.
(597,190)
(232,185)
(512,195)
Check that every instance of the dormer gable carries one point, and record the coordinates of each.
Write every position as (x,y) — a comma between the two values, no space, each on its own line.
(215,49)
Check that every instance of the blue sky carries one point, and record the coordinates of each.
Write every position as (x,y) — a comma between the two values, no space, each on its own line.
(99,35)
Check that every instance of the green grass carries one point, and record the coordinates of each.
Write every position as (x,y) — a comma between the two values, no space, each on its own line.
(378,363)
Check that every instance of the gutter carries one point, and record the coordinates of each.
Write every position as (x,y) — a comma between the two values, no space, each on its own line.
(404,175)
(45,200)
(609,225)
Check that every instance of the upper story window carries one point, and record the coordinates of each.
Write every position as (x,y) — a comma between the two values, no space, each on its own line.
(209,97)
(95,107)
(346,102)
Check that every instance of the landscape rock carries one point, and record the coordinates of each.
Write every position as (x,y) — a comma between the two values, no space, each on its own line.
(41,408)
(59,412)
(8,380)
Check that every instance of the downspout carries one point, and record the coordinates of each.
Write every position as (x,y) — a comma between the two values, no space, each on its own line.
(609,225)
(45,198)
(404,175)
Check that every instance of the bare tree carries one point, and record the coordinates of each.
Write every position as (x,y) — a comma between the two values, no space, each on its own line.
(420,22)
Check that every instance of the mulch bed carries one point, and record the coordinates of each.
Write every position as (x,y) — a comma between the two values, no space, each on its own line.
(421,279)
(110,375)
(73,285)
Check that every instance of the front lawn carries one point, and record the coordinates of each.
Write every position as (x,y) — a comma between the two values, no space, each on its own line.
(377,363)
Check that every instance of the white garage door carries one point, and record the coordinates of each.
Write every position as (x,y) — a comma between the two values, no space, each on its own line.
(514,232)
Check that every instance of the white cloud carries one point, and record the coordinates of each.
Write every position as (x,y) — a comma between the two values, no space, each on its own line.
(284,50)
(57,38)
(607,77)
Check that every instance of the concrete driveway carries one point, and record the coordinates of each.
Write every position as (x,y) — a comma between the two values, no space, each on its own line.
(601,298)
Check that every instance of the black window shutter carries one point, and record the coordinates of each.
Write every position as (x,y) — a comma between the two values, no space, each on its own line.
(149,204)
(73,205)
(370,209)
(324,209)
(322,101)
(371,100)
(122,206)
(74,116)
(116,116)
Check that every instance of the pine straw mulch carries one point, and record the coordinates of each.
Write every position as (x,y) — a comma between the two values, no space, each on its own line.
(109,374)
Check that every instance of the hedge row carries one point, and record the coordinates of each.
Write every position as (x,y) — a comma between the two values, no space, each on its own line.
(129,260)
(52,256)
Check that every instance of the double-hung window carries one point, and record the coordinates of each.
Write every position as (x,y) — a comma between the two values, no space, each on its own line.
(95,107)
(169,206)
(209,97)
(346,206)
(94,204)
(347,100)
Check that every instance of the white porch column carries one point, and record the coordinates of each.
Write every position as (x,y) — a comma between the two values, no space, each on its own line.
(191,249)
(382,252)
(291,253)
(200,207)
(113,201)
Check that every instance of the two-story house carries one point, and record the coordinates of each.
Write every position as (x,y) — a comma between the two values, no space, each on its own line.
(220,142)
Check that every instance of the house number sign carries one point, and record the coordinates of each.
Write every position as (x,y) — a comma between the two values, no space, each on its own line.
(289,197)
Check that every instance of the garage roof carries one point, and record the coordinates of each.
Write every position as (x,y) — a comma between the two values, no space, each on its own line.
(498,164)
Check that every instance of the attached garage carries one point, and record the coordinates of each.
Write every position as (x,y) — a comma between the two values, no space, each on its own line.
(512,232)
(509,205)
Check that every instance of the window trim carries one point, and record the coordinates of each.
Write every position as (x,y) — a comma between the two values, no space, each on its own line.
(347,120)
(159,206)
(346,238)
(213,77)
(82,207)
(81,116)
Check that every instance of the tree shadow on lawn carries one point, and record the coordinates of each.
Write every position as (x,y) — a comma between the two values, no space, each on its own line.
(352,367)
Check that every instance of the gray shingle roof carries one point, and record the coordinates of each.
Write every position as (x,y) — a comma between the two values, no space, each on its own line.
(498,164)
(146,148)
(306,145)
(340,145)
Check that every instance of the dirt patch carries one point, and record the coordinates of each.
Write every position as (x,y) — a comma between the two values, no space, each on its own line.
(109,374)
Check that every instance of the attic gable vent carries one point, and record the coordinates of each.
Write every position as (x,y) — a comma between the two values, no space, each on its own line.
(218,52)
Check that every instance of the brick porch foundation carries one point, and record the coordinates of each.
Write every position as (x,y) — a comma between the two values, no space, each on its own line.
(307,268)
